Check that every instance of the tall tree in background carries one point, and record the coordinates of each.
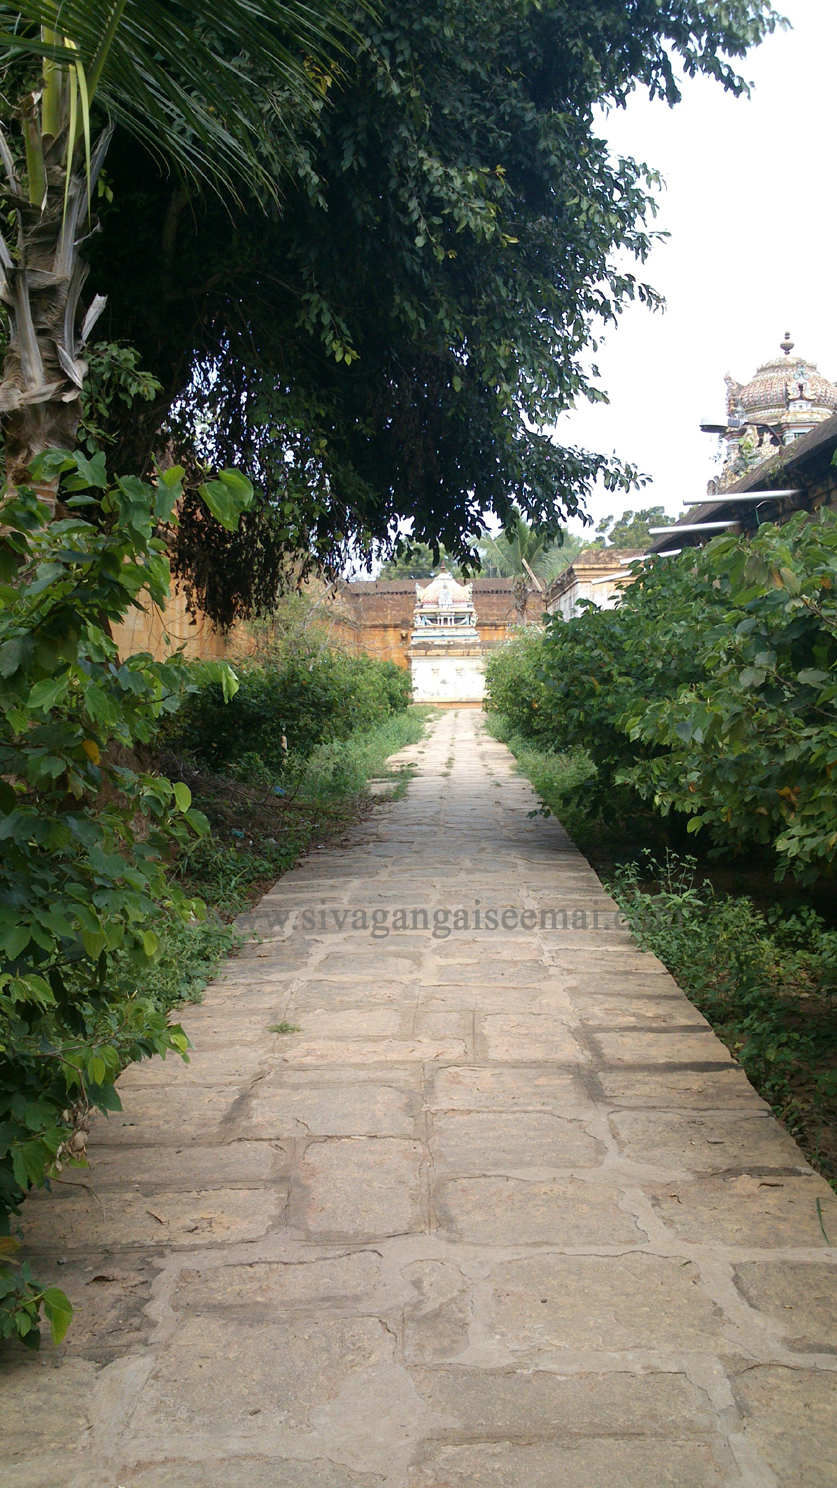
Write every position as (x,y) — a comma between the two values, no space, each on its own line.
(179,80)
(631,529)
(394,341)
(524,552)
(418,561)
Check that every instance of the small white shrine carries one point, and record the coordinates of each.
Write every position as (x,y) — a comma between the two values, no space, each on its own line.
(445,647)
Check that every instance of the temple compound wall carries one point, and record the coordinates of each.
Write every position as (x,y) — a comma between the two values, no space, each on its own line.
(376,615)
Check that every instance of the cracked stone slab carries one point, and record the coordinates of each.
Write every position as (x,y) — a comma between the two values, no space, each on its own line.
(253,1472)
(789,1416)
(337,1110)
(259,1287)
(491,1087)
(797,1298)
(184,1114)
(618,1011)
(534,1403)
(499,1141)
(710,1142)
(358,1188)
(665,1089)
(514,1211)
(236,1164)
(226,1378)
(553,1304)
(115,1218)
(592,1464)
(697,1046)
(315,1052)
(531,1037)
(749,1211)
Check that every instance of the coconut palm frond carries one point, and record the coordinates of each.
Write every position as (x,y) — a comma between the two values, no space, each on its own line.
(185,80)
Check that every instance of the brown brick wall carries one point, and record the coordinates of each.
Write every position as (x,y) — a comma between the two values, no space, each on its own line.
(378,615)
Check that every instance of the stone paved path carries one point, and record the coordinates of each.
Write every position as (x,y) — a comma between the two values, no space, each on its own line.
(502,1213)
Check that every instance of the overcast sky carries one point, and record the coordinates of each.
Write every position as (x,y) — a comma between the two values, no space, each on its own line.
(751,207)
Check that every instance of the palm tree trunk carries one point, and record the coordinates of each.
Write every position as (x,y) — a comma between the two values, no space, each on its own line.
(43,372)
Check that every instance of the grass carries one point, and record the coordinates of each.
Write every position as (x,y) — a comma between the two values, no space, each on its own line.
(763,973)
(559,779)
(256,835)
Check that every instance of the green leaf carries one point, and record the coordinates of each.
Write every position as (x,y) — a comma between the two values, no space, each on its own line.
(150,944)
(227,497)
(46,694)
(59,1311)
(49,464)
(96,1069)
(182,795)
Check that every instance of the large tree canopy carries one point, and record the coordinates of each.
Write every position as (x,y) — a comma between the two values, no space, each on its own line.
(392,342)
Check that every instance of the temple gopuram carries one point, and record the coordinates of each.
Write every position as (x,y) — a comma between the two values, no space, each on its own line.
(445,646)
(441,628)
(786,398)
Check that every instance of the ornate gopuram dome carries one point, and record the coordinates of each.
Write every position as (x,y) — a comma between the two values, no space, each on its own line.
(786,398)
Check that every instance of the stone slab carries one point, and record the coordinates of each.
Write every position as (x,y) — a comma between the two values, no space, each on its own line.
(316,1284)
(535,1037)
(789,1416)
(650,1047)
(337,1110)
(515,1211)
(115,1218)
(597,1464)
(358,1189)
(501,1141)
(493,1088)
(749,1212)
(552,1304)
(712,1142)
(798,1299)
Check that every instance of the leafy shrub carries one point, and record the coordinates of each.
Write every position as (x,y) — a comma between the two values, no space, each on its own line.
(750,749)
(86,833)
(709,693)
(515,689)
(303,696)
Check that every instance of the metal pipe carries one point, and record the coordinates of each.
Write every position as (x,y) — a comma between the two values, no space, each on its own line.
(692,527)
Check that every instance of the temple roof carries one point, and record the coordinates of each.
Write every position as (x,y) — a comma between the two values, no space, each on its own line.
(777,385)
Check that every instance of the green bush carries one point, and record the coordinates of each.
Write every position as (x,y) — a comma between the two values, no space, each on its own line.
(86,833)
(749,750)
(304,695)
(515,689)
(707,695)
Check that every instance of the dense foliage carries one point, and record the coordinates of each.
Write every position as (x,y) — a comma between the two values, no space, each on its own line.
(86,831)
(308,694)
(709,692)
(631,530)
(391,342)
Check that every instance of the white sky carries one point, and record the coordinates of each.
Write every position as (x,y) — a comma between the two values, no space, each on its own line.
(751,206)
